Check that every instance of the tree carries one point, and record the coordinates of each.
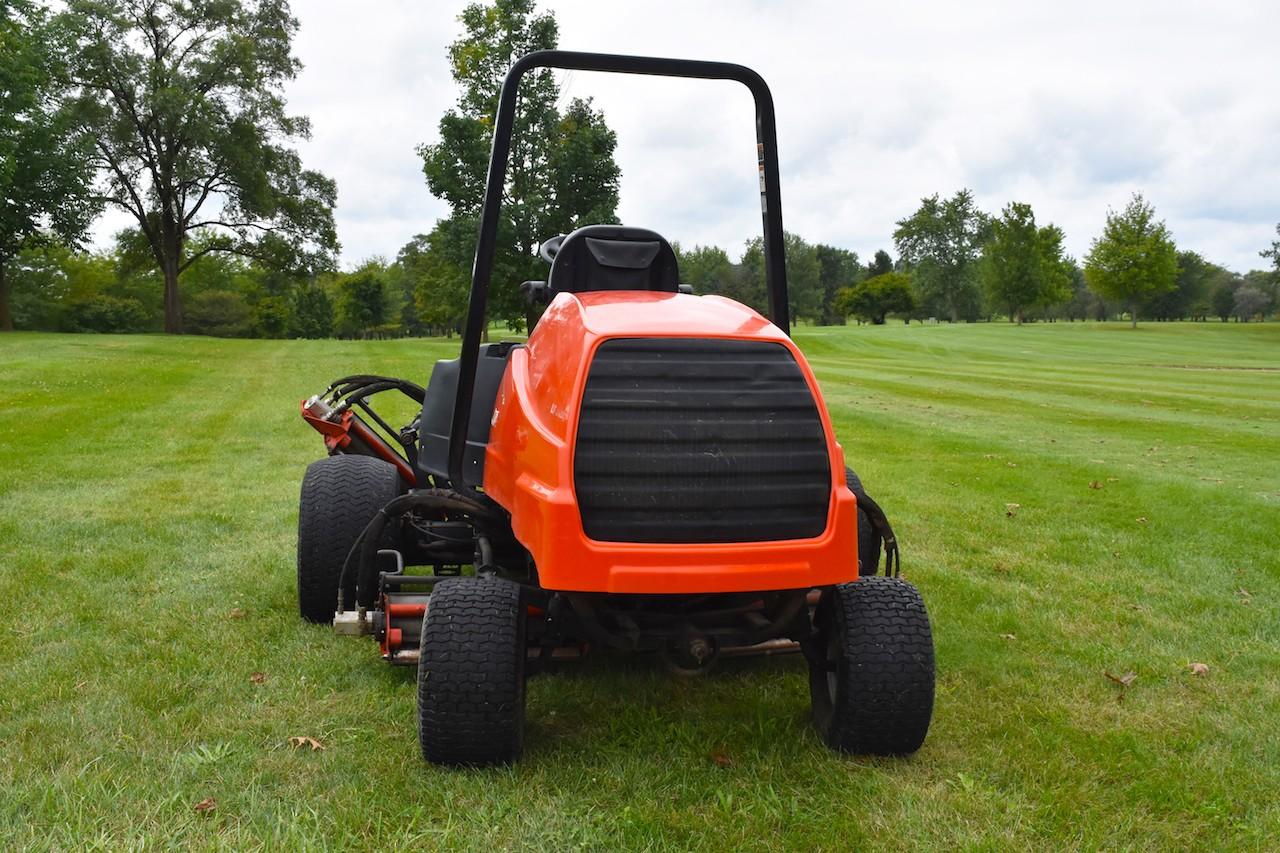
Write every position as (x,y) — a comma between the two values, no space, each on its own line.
(707,268)
(880,265)
(837,268)
(184,100)
(438,264)
(312,315)
(45,182)
(804,272)
(1012,267)
(1223,299)
(874,298)
(362,303)
(219,313)
(1189,289)
(941,242)
(1023,266)
(1250,302)
(1134,259)
(1274,253)
(560,172)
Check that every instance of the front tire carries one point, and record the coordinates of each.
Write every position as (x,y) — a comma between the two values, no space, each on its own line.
(471,673)
(340,496)
(871,667)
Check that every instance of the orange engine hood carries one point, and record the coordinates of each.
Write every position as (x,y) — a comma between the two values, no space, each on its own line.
(529,461)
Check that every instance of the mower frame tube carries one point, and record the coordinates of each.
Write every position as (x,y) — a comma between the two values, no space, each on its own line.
(482,271)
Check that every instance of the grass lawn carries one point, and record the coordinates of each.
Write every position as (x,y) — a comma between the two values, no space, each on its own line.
(148,499)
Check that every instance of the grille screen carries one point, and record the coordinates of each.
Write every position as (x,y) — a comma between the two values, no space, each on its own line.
(699,440)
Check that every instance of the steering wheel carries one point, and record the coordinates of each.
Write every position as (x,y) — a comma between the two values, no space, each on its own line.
(549,248)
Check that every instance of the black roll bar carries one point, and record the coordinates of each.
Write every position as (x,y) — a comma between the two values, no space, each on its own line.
(481,273)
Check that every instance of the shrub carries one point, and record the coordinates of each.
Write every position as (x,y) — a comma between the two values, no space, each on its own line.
(219,313)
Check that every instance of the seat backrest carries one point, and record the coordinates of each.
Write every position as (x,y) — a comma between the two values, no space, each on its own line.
(613,257)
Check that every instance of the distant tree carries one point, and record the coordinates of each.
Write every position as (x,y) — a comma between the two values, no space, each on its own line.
(106,314)
(560,173)
(874,298)
(220,314)
(1266,282)
(1223,300)
(271,317)
(45,179)
(1190,287)
(1134,259)
(362,304)
(1012,268)
(1057,269)
(312,314)
(880,265)
(1274,252)
(185,104)
(837,268)
(1250,302)
(941,242)
(707,268)
(804,278)
(439,266)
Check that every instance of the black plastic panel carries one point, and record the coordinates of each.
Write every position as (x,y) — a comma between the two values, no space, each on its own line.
(437,413)
(699,440)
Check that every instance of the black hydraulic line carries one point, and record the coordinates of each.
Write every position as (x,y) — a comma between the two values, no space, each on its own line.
(368,539)
(880,523)
(486,244)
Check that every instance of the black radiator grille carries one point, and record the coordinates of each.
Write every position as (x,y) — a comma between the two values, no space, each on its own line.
(699,440)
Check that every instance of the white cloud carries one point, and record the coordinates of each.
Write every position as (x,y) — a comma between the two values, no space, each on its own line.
(1070,107)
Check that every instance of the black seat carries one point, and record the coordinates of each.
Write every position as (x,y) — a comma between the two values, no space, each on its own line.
(613,257)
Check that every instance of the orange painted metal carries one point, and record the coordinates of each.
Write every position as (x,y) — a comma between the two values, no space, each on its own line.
(337,436)
(529,462)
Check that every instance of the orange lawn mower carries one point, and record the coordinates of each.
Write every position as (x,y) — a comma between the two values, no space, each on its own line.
(653,471)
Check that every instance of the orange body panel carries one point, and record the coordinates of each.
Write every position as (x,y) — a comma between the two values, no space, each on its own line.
(529,462)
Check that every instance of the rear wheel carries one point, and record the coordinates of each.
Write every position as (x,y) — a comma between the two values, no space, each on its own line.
(871,668)
(868,539)
(340,496)
(471,673)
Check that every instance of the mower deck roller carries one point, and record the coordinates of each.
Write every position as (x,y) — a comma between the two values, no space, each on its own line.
(652,471)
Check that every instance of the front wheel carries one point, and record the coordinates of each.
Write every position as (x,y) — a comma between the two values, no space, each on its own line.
(871,667)
(471,673)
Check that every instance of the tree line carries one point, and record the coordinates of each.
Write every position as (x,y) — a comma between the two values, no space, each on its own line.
(173,112)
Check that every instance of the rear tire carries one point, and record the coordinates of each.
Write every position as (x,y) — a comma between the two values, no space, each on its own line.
(868,540)
(871,668)
(471,673)
(340,496)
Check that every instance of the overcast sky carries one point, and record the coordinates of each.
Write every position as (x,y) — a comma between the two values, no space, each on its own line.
(1068,106)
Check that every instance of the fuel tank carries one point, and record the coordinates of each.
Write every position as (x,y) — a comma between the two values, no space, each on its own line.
(669,443)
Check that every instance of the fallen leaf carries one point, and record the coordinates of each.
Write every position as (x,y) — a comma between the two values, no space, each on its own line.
(1008,636)
(1123,680)
(300,740)
(719,759)
(235,613)
(1012,509)
(1198,668)
(258,677)
(206,805)
(1142,519)
(1094,484)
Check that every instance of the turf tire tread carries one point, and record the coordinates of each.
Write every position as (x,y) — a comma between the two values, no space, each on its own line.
(471,679)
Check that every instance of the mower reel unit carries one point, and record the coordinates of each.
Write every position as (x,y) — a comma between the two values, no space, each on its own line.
(653,471)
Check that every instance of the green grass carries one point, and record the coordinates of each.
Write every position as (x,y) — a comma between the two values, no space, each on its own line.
(148,492)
